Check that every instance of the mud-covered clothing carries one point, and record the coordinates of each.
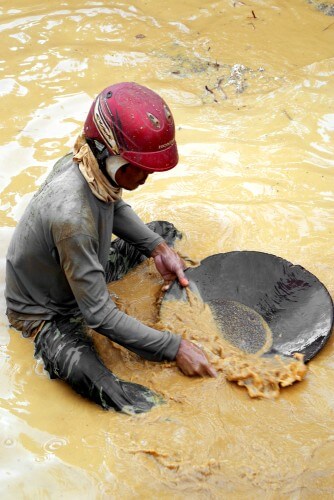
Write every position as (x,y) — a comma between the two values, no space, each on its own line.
(59,256)
(68,352)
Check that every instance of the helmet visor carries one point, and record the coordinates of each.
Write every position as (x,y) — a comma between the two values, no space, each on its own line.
(156,161)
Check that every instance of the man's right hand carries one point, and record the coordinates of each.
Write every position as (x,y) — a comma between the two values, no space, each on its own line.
(191,360)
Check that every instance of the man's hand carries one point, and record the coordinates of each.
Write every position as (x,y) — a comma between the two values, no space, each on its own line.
(169,264)
(191,360)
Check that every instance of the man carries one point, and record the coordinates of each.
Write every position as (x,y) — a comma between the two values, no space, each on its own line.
(61,256)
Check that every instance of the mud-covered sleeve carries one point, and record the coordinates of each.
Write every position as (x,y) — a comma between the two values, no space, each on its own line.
(85,275)
(129,227)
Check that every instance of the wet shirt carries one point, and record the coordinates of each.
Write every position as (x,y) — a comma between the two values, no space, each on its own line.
(57,258)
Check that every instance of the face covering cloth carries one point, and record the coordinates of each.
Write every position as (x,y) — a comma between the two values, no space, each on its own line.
(89,167)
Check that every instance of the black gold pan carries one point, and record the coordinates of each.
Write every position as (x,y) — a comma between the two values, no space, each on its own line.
(250,292)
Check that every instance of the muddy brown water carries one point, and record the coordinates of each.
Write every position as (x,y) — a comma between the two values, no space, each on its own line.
(251,88)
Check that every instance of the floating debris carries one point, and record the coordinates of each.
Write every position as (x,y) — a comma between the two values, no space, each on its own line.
(324,7)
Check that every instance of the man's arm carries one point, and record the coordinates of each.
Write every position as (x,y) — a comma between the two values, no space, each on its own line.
(85,276)
(127,225)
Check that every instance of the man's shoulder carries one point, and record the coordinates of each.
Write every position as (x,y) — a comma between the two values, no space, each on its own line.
(64,201)
(62,165)
(64,173)
(63,189)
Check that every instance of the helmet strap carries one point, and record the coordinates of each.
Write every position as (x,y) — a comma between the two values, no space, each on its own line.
(99,150)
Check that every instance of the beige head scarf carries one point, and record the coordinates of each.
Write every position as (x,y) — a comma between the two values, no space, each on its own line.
(88,166)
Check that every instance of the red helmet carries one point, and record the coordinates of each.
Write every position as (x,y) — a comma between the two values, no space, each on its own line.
(136,123)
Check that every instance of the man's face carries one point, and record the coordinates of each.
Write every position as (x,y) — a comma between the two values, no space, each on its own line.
(130,177)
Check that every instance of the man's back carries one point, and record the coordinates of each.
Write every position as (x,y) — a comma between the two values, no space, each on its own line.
(63,209)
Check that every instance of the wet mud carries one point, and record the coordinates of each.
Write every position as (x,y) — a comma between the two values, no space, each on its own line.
(224,339)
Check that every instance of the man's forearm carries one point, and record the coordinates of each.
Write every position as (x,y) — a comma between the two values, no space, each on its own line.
(147,342)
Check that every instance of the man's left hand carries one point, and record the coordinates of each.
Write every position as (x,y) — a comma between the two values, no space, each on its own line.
(169,264)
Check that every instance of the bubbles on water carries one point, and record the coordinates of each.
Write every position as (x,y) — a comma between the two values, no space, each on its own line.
(8,442)
(54,444)
(89,441)
(40,459)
